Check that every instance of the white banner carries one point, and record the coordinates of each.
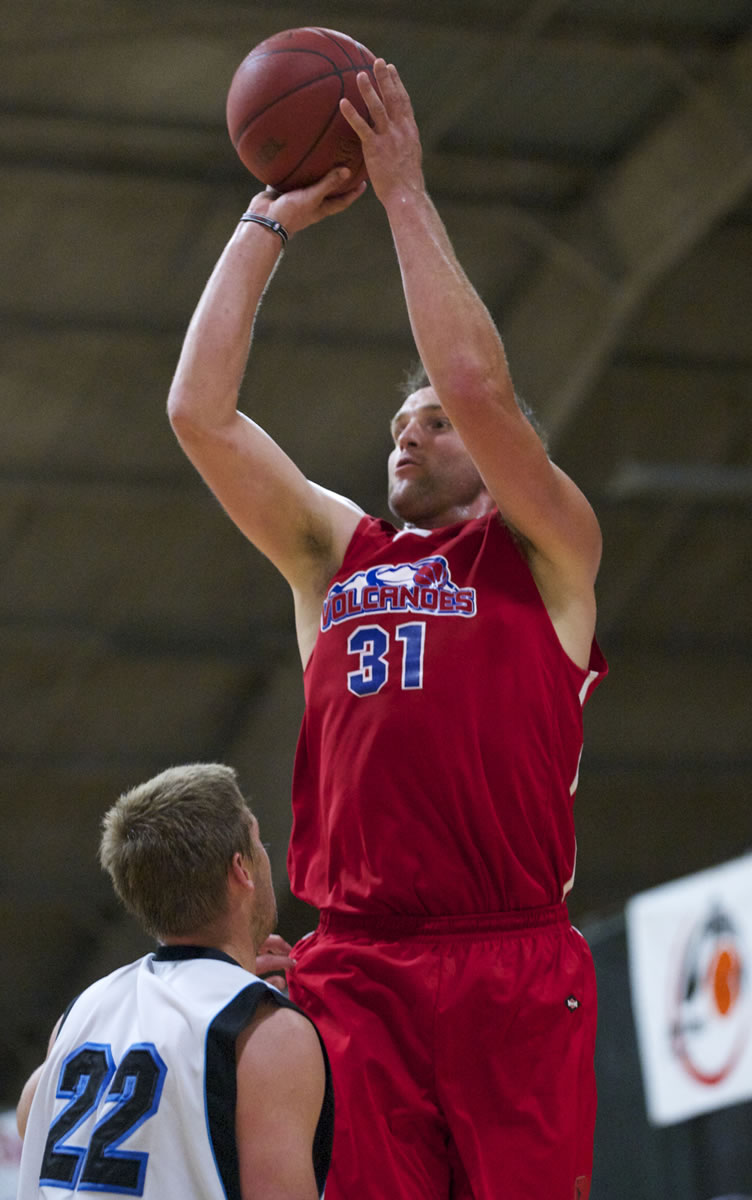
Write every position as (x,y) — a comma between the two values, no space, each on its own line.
(690,964)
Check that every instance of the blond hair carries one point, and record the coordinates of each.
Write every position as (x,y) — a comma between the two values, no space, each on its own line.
(167,845)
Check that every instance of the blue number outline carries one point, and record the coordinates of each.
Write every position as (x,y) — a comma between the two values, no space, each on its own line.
(101,1161)
(359,682)
(413,635)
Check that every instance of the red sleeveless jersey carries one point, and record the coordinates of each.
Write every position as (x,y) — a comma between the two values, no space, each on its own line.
(440,746)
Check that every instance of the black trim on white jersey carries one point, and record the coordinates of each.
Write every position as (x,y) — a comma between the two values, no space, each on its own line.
(221,1072)
(180,953)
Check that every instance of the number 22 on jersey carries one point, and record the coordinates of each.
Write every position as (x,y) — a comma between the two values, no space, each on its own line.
(134,1088)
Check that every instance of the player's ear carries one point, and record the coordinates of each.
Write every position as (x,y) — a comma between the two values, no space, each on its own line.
(239,872)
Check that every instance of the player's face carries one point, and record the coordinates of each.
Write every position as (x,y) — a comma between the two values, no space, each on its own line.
(432,479)
(264,920)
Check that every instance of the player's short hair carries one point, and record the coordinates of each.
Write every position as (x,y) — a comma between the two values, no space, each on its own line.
(167,845)
(416,378)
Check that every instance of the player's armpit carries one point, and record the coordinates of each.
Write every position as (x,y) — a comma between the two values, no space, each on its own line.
(281,1082)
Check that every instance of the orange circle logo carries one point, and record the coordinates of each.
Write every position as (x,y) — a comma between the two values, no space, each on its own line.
(710,1018)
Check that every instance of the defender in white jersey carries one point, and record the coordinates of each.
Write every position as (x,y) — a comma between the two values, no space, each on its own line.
(183,1073)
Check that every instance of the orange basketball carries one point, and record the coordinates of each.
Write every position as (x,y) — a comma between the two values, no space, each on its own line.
(283,107)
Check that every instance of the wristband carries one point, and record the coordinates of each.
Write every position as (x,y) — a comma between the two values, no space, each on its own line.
(268,223)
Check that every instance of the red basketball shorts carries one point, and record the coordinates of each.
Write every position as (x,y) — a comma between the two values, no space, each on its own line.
(462,1054)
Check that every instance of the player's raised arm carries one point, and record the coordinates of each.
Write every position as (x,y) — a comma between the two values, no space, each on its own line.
(463,353)
(301,528)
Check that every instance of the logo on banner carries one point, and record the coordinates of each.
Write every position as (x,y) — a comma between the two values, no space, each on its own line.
(424,587)
(710,1024)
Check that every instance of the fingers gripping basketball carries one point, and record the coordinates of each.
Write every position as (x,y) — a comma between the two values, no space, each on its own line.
(283,107)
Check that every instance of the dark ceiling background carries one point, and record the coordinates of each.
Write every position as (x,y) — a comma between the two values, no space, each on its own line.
(593,162)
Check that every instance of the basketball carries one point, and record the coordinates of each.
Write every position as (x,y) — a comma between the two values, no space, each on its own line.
(283,107)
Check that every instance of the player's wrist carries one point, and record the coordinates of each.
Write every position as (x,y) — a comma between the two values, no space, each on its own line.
(401,195)
(267,222)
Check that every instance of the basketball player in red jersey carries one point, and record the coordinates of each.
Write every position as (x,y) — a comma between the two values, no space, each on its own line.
(446,666)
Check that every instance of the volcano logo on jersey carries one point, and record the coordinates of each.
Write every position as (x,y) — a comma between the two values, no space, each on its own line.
(424,586)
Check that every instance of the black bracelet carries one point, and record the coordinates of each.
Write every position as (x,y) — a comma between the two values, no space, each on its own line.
(275,226)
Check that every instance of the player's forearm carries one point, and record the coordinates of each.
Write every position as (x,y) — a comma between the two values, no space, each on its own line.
(204,391)
(455,335)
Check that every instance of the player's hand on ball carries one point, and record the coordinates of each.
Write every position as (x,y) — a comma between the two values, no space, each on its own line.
(391,144)
(306,206)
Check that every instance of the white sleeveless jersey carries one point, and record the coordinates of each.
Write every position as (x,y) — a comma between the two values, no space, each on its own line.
(137,1096)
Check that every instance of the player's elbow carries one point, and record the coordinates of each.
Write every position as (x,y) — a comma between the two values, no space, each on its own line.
(192,421)
(477,379)
(180,412)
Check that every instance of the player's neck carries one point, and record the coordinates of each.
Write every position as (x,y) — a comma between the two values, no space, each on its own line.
(239,948)
(455,514)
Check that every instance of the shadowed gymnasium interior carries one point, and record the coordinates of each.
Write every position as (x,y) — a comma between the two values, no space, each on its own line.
(592,160)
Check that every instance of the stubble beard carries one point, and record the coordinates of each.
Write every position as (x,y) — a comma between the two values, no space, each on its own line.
(423,501)
(264,920)
(413,502)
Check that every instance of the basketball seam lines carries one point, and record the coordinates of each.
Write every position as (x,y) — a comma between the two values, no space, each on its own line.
(330,38)
(338,72)
(310,149)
